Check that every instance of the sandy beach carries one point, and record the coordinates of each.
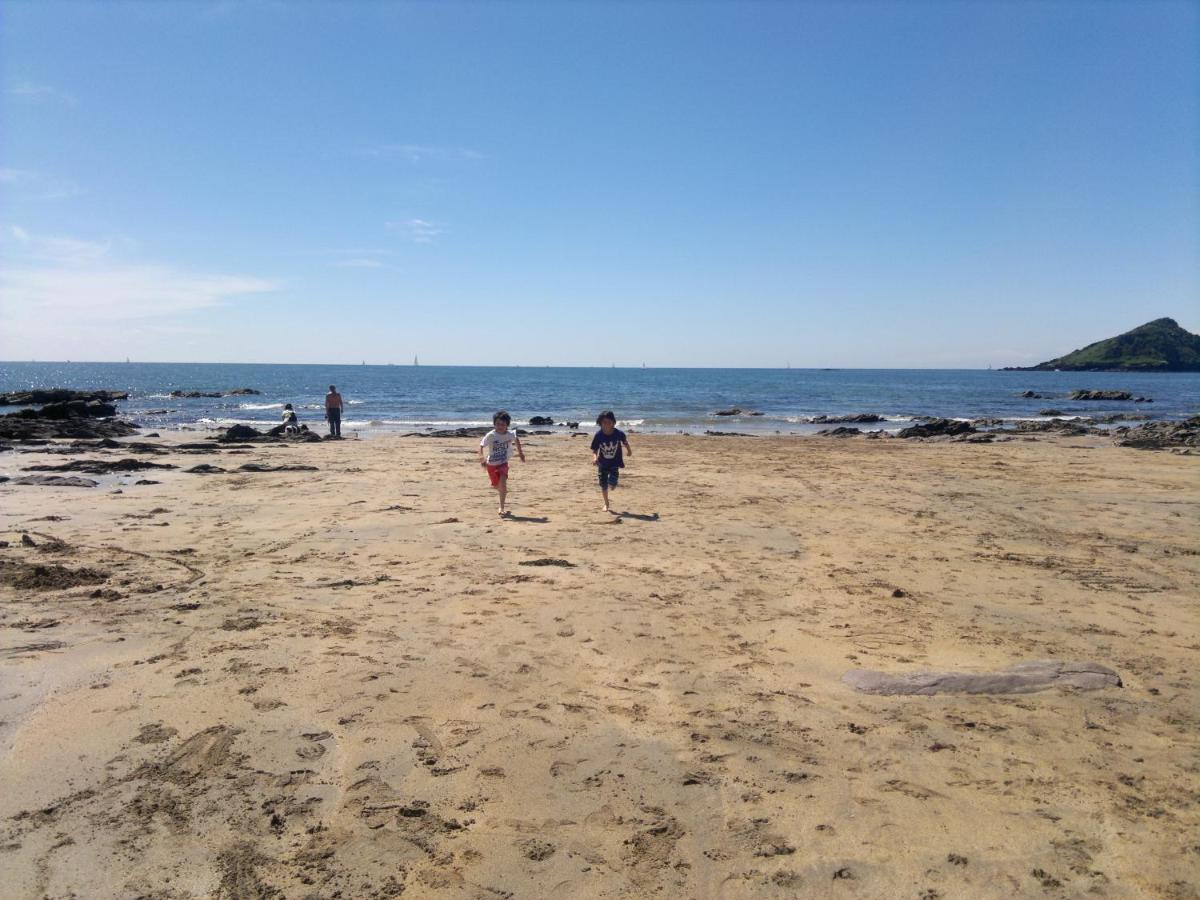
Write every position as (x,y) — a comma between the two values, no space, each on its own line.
(355,681)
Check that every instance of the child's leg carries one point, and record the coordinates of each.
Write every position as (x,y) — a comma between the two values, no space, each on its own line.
(604,491)
(502,487)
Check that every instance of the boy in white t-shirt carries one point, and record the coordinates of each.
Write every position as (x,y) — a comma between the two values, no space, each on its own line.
(494,452)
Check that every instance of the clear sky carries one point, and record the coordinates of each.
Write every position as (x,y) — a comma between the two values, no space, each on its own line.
(704,184)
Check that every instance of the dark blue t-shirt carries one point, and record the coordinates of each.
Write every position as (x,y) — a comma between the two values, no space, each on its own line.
(608,448)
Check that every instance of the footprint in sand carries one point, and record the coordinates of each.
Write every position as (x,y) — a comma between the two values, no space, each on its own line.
(314,749)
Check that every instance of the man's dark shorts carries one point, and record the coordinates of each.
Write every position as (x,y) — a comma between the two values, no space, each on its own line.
(608,476)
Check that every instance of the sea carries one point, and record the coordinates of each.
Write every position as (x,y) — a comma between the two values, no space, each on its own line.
(418,398)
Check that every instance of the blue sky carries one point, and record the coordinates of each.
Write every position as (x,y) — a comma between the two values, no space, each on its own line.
(706,184)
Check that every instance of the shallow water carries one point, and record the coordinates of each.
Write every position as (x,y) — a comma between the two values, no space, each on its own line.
(413,398)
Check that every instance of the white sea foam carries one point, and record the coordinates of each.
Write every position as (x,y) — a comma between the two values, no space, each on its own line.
(261,406)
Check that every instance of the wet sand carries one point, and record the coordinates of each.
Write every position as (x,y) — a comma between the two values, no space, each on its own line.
(358,682)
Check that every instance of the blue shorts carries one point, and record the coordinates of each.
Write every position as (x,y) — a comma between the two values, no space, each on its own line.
(608,477)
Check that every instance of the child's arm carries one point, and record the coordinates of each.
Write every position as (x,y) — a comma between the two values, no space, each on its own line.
(628,449)
(482,461)
(520,452)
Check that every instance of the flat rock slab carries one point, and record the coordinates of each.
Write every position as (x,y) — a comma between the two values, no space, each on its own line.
(100,466)
(57,481)
(262,467)
(1023,678)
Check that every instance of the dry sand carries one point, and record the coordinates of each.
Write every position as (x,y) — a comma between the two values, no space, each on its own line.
(355,682)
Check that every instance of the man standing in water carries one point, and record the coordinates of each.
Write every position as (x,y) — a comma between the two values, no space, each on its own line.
(333,411)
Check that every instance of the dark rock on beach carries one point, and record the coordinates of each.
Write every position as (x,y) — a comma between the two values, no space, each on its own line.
(1051,412)
(474,431)
(840,432)
(79,419)
(241,433)
(1101,395)
(205,469)
(280,434)
(263,467)
(58,395)
(244,434)
(541,420)
(1033,395)
(1067,427)
(56,481)
(727,434)
(71,409)
(1161,435)
(937,428)
(736,411)
(100,466)
(858,418)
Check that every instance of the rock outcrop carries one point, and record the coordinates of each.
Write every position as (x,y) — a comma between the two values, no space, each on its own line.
(81,419)
(937,428)
(58,395)
(1101,395)
(237,392)
(857,418)
(1161,435)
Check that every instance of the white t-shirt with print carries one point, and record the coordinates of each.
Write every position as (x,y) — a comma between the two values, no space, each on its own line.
(499,447)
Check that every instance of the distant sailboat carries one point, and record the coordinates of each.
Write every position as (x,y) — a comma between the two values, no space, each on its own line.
(416,362)
(127,359)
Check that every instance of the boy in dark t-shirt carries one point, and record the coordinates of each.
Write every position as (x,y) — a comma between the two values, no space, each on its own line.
(606,452)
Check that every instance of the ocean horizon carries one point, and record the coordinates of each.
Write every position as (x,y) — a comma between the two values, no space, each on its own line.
(408,398)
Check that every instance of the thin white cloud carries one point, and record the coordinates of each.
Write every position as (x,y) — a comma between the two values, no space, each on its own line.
(33,185)
(40,93)
(419,231)
(415,153)
(52,249)
(51,286)
(360,258)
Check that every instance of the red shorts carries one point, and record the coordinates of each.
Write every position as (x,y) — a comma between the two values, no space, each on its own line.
(495,473)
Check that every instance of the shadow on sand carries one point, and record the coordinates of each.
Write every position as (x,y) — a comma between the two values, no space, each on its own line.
(540,520)
(653,517)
